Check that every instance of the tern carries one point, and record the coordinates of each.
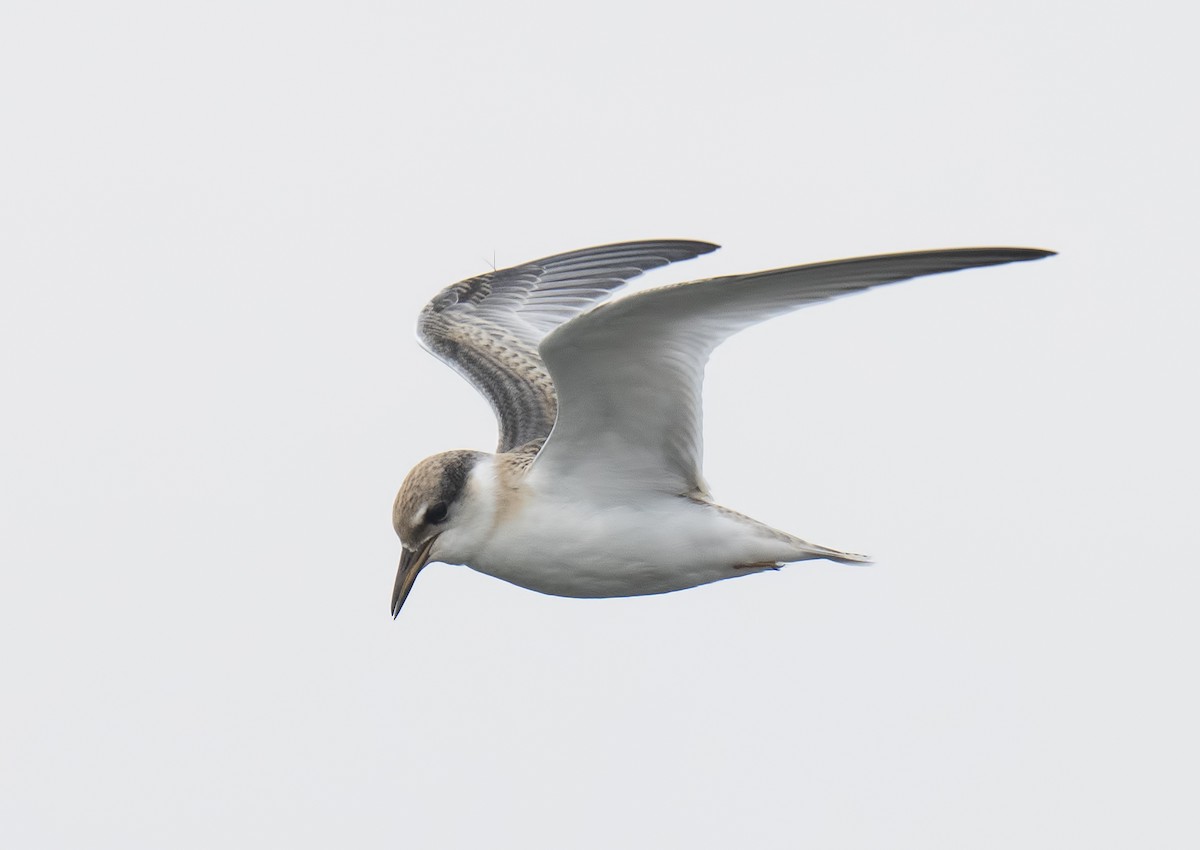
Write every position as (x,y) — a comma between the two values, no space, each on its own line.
(595,488)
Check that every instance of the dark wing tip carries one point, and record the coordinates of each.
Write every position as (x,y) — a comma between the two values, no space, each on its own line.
(1021,254)
(669,250)
(695,247)
(959,258)
(1001,255)
(956,259)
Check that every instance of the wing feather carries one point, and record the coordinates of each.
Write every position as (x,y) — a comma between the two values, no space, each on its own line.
(488,328)
(629,374)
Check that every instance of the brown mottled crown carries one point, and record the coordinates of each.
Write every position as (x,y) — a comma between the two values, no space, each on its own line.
(437,480)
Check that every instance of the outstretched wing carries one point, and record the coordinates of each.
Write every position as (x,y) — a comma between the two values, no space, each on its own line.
(629,373)
(488,328)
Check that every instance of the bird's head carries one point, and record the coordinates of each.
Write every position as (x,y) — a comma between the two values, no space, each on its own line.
(429,504)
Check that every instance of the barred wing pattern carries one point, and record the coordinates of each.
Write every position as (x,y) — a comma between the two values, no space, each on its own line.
(488,328)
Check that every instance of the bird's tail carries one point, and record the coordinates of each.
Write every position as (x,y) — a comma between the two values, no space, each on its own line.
(810,551)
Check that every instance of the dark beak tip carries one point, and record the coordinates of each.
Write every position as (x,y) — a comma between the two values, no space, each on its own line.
(411,563)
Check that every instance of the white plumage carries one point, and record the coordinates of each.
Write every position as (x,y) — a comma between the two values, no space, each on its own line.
(596,487)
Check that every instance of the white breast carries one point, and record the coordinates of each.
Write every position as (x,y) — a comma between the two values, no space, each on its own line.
(572,547)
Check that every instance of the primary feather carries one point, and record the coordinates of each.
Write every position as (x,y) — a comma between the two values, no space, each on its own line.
(488,328)
(629,374)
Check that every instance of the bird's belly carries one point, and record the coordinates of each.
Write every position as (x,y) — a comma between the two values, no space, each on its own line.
(621,551)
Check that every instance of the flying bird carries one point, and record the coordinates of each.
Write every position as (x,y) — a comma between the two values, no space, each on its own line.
(595,488)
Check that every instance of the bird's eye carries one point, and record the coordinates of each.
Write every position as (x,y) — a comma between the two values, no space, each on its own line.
(435,513)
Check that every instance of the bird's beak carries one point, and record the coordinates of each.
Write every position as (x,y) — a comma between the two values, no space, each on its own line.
(411,562)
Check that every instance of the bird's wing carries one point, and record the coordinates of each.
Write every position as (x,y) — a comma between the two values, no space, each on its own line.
(488,328)
(629,373)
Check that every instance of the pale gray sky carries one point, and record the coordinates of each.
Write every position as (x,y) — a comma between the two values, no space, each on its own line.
(218,224)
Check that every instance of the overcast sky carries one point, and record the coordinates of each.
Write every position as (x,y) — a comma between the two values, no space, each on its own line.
(217,224)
